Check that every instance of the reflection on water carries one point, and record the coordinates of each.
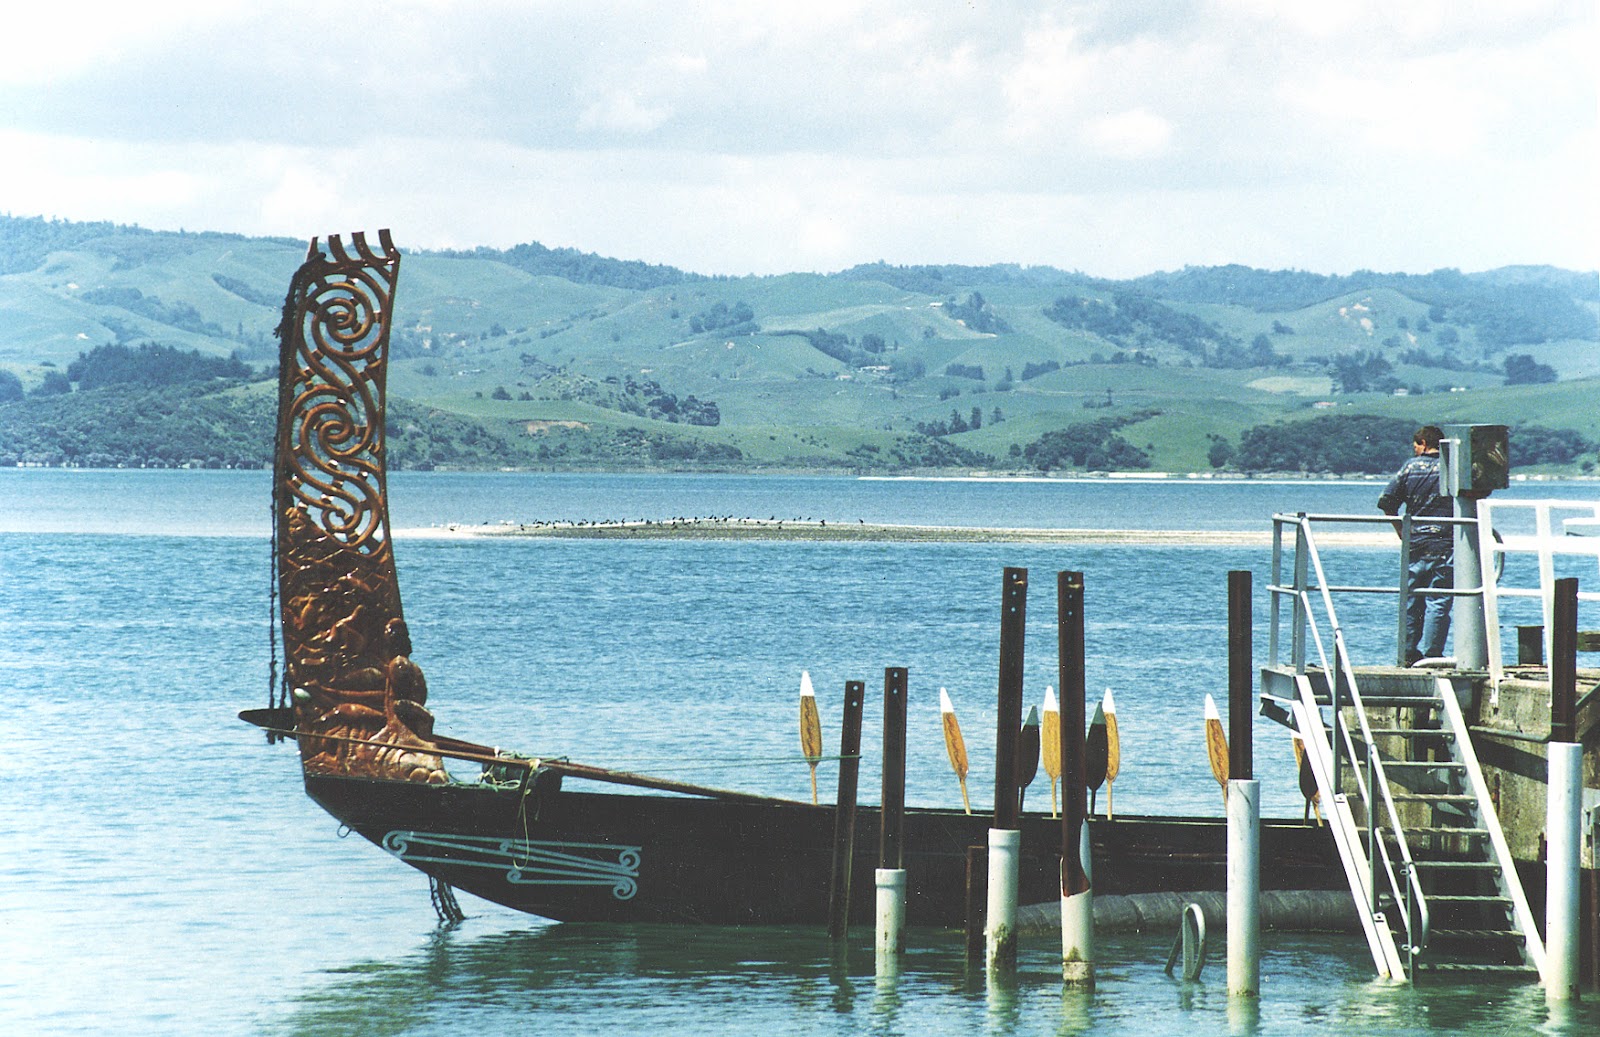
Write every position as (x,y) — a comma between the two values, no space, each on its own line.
(598,979)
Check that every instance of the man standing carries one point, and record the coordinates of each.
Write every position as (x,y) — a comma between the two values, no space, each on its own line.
(1416,487)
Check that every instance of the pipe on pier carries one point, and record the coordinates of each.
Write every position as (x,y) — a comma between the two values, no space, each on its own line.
(1244,888)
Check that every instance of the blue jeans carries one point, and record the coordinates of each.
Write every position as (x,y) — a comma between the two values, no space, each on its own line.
(1428,615)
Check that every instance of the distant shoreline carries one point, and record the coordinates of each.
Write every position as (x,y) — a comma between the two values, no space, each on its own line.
(868,532)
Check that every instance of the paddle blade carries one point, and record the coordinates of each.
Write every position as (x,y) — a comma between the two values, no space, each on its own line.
(810,721)
(1095,751)
(1113,744)
(1028,750)
(1216,743)
(954,745)
(1050,738)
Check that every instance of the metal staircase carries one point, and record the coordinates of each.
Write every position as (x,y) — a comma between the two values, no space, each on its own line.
(1423,852)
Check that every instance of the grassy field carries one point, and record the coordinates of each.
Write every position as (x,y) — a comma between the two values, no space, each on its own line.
(469,330)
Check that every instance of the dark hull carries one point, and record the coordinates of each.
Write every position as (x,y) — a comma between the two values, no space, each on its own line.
(576,856)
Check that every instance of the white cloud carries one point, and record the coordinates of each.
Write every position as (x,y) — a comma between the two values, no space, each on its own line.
(731,138)
(1132,134)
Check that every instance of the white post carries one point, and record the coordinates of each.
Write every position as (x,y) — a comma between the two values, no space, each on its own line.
(891,915)
(1077,925)
(1000,928)
(1562,836)
(1244,889)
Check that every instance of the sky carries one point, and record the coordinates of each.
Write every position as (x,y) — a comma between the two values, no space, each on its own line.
(1113,137)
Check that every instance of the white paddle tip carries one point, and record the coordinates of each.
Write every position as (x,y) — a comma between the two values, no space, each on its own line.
(944,702)
(1211,709)
(805,684)
(1050,704)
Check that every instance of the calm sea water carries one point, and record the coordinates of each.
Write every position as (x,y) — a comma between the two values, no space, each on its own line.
(164,873)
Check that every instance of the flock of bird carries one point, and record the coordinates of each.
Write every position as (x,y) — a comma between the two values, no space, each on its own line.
(675,522)
(1102,748)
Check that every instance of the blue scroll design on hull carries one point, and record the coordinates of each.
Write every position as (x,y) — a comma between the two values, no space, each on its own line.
(526,862)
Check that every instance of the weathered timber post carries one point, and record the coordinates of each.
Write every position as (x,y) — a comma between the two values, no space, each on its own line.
(891,876)
(1077,898)
(1005,838)
(844,816)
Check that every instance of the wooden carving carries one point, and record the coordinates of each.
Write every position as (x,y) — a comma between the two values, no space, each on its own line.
(346,646)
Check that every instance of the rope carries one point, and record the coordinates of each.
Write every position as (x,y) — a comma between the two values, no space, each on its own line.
(444,901)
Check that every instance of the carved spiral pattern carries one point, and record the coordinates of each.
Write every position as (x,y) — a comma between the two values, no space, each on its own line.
(336,334)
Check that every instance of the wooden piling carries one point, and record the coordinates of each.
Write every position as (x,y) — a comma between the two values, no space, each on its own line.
(1241,677)
(977,891)
(1013,621)
(1074,775)
(1077,900)
(1564,662)
(844,816)
(891,837)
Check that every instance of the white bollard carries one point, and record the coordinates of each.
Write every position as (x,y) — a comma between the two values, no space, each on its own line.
(1077,924)
(1244,888)
(1000,925)
(1563,825)
(891,884)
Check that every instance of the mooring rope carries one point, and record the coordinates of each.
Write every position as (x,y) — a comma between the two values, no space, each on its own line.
(444,900)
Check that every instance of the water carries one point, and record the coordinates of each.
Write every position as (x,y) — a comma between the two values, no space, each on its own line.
(164,873)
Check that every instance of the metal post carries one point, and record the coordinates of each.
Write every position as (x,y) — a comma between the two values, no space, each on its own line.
(844,815)
(1013,622)
(1335,687)
(1564,844)
(1000,918)
(1276,610)
(1241,678)
(1302,565)
(1403,635)
(1471,638)
(1077,896)
(1244,888)
(891,916)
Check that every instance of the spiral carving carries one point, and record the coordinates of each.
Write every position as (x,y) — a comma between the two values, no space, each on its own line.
(335,339)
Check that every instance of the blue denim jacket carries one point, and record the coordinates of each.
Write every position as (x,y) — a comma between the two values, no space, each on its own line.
(1416,486)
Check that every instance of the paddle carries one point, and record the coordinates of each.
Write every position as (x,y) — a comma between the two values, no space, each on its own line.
(954,745)
(1113,748)
(1027,755)
(1308,780)
(1096,755)
(1217,747)
(810,729)
(1050,743)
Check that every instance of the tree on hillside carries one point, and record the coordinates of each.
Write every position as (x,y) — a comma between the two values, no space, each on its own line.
(10,387)
(55,384)
(1523,369)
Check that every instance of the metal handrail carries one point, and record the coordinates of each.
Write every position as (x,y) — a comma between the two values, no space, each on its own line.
(1407,893)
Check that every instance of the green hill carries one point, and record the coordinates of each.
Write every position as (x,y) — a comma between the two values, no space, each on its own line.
(534,356)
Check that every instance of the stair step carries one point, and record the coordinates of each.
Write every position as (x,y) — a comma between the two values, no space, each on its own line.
(1453,966)
(1432,797)
(1410,732)
(1474,833)
(1475,934)
(1458,865)
(1428,764)
(1414,701)
(1468,898)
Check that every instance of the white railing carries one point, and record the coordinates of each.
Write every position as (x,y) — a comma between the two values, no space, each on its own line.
(1578,535)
